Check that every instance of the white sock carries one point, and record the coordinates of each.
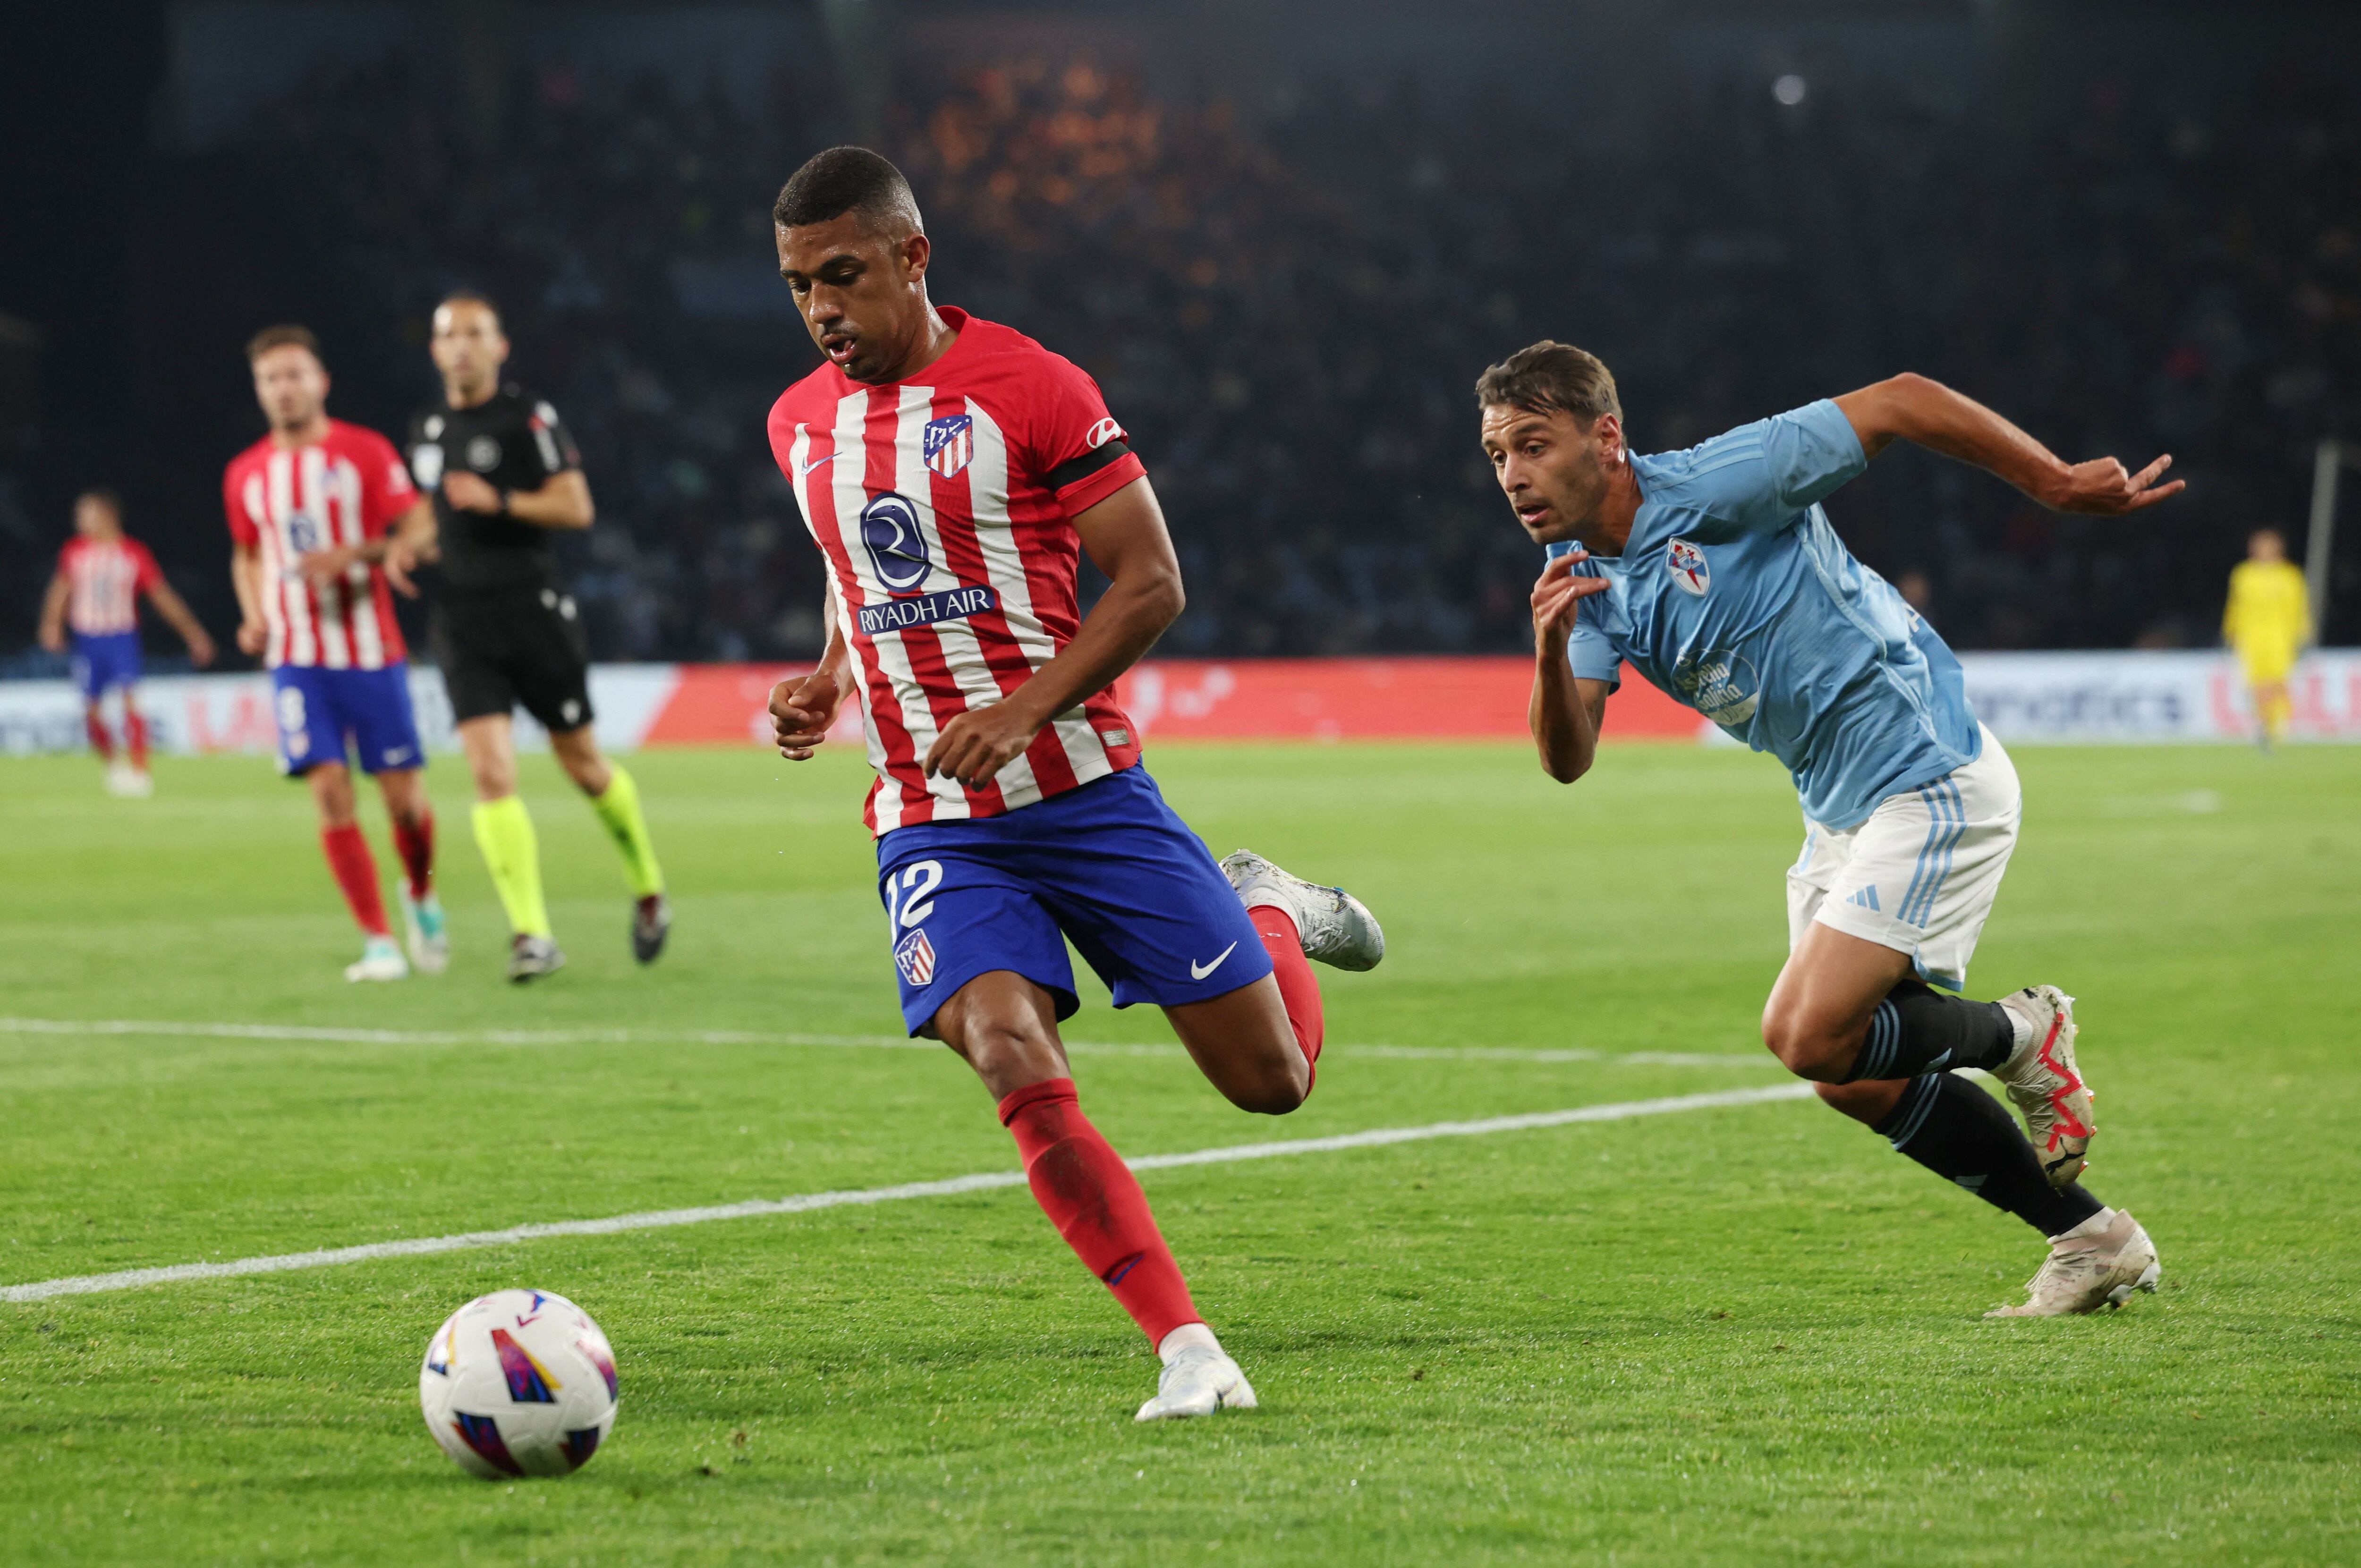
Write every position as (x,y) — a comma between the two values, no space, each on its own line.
(1187,1336)
(2096,1226)
(2021,1028)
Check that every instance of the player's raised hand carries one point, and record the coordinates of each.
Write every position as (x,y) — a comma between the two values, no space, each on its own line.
(977,744)
(803,708)
(2105,487)
(1556,595)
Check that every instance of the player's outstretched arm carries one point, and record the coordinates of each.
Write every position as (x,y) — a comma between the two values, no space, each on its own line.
(175,612)
(1914,408)
(1125,538)
(1566,711)
(54,614)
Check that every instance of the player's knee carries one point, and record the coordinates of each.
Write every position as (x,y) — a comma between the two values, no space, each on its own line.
(1273,1094)
(1804,1046)
(1003,1049)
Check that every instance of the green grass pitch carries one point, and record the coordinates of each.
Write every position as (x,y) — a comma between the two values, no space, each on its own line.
(1744,1335)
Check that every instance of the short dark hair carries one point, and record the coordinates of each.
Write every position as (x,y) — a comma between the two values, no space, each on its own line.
(282,336)
(1551,377)
(105,495)
(472,297)
(848,180)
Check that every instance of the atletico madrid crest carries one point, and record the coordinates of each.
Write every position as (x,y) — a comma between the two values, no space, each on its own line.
(949,443)
(915,956)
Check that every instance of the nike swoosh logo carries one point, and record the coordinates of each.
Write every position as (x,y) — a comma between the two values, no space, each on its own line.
(803,470)
(1199,971)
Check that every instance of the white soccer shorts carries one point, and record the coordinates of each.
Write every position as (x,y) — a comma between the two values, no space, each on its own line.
(1920,875)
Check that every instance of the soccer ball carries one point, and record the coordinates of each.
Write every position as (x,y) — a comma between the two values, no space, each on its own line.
(519,1382)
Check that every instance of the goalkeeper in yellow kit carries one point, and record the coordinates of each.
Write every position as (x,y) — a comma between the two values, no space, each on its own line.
(2266,622)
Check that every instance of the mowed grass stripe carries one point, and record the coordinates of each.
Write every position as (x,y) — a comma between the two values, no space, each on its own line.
(662,1218)
(339,1035)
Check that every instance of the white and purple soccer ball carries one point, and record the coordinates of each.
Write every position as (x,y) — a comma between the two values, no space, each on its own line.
(519,1382)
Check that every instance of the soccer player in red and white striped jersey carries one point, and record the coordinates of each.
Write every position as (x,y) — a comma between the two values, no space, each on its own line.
(94,599)
(326,523)
(953,472)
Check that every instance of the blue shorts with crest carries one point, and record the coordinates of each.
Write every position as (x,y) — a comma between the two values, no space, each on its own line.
(104,660)
(1107,865)
(322,712)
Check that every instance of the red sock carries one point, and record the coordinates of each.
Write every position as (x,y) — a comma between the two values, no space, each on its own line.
(1095,1203)
(356,869)
(414,841)
(100,740)
(1297,989)
(135,737)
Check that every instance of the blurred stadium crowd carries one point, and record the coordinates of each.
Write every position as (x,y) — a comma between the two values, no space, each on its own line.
(1287,309)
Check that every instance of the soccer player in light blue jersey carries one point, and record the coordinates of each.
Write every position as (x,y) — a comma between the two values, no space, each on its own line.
(1715,573)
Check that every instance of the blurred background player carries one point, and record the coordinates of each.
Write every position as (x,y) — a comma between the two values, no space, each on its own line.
(506,479)
(325,517)
(1011,808)
(95,597)
(2267,622)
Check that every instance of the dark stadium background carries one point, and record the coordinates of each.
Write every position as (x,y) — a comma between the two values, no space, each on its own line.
(1285,237)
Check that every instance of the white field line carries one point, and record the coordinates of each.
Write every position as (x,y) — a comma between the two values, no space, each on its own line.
(663,1219)
(340,1036)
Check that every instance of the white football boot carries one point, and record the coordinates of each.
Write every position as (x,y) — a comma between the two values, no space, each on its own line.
(1198,1381)
(127,782)
(2047,1087)
(429,940)
(1334,926)
(379,959)
(2097,1263)
(530,957)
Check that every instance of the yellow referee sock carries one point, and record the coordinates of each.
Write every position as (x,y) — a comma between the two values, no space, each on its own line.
(505,832)
(618,808)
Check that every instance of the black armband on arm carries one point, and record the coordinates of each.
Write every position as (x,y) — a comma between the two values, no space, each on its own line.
(1075,469)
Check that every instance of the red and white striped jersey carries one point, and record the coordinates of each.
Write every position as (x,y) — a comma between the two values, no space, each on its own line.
(945,509)
(105,580)
(345,489)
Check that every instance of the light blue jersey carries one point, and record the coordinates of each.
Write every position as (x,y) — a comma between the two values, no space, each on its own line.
(1736,597)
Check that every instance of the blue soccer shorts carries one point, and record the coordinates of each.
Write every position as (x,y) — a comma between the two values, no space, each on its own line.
(323,712)
(104,661)
(1107,865)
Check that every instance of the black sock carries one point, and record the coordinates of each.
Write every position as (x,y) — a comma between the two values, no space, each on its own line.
(1918,1029)
(1959,1133)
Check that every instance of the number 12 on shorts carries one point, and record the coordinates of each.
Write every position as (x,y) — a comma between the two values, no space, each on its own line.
(909,896)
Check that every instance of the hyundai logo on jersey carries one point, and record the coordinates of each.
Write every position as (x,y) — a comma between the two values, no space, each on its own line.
(1690,573)
(889,527)
(949,443)
(924,610)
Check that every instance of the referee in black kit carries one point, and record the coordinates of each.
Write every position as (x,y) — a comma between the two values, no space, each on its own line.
(505,477)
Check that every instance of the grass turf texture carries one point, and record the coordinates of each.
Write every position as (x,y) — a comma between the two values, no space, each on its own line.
(1745,1335)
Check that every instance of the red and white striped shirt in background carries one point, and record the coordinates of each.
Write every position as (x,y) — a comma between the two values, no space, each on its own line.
(346,488)
(105,580)
(945,510)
